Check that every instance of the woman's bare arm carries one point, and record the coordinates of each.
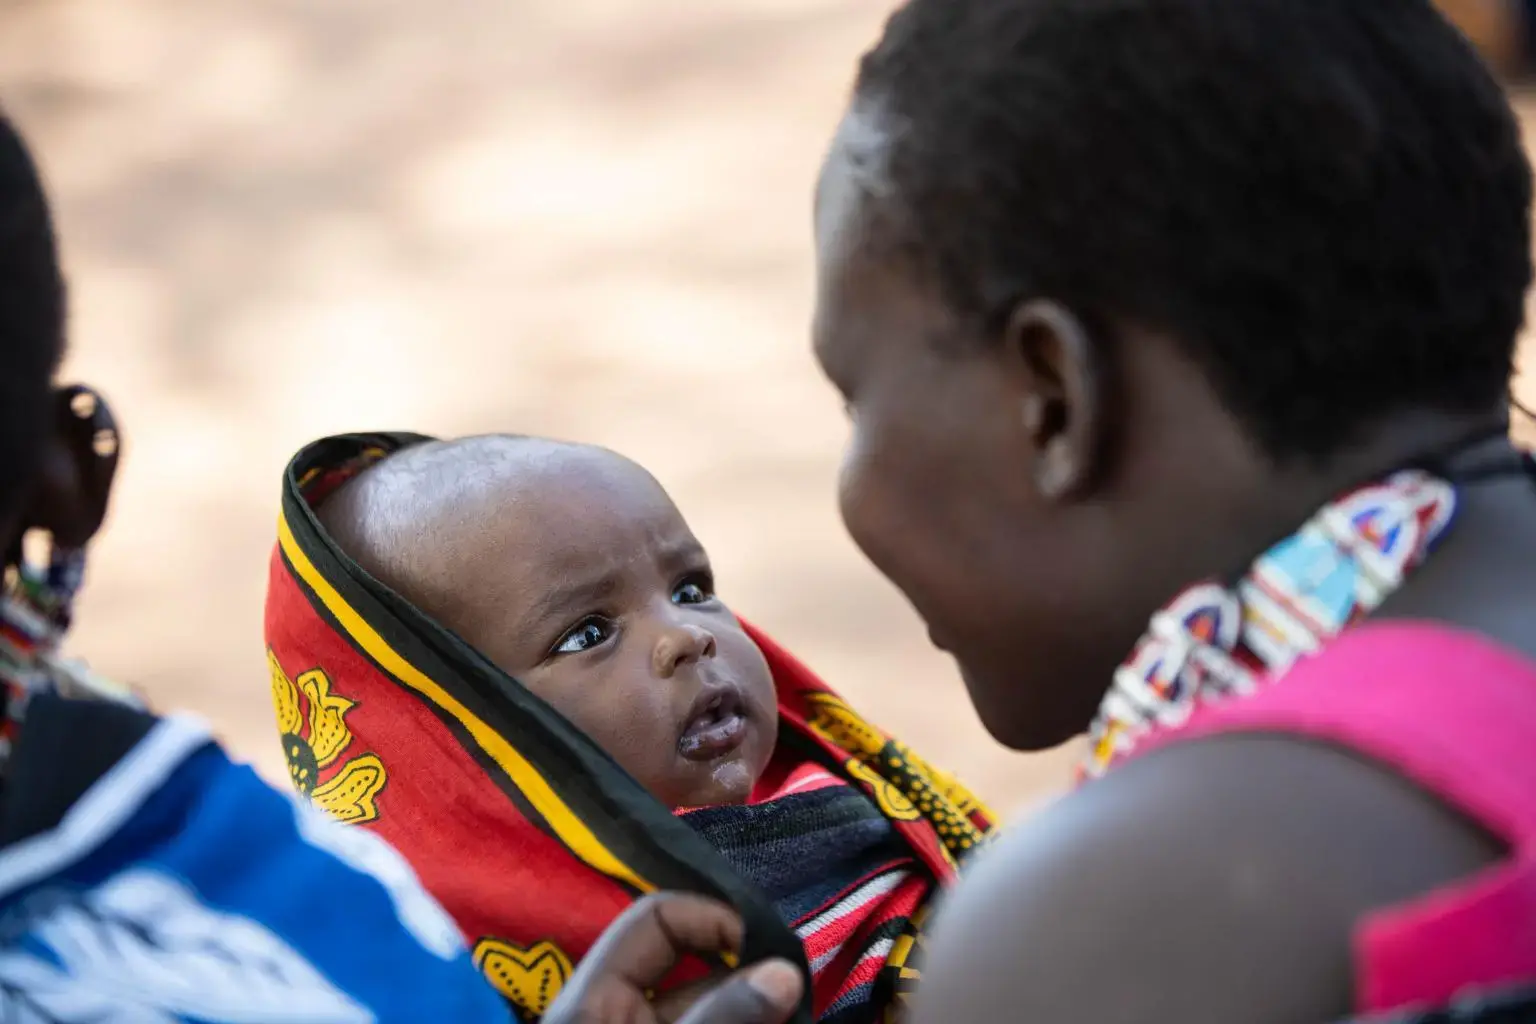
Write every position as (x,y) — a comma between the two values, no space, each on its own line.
(1212,882)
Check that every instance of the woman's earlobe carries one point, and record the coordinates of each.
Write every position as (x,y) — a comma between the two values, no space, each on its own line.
(1056,475)
(1036,416)
(1056,365)
(78,469)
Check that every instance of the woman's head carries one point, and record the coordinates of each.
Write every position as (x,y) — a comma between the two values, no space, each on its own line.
(1117,290)
(31,329)
(59,447)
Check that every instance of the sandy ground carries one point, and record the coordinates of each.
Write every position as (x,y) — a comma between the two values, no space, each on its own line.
(586,218)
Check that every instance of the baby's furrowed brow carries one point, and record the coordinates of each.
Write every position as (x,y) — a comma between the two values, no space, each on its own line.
(685,554)
(570,597)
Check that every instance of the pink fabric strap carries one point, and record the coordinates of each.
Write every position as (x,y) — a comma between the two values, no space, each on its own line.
(1455,714)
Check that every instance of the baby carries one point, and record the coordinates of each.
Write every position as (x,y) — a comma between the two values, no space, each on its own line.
(570,568)
(422,590)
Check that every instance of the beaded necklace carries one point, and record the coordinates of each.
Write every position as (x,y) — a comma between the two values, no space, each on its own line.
(1218,640)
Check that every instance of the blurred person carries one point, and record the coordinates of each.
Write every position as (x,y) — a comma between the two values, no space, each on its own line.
(506,655)
(1176,338)
(146,877)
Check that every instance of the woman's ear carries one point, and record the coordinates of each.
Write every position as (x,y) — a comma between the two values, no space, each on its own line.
(79,466)
(1058,373)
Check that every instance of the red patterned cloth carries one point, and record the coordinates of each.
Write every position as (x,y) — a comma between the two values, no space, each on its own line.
(534,839)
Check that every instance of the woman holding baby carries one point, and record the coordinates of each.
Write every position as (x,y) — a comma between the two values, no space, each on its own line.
(1176,339)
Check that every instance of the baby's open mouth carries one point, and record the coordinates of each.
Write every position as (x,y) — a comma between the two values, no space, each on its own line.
(717,724)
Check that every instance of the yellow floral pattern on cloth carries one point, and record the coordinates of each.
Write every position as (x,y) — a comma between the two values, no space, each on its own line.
(529,978)
(904,785)
(313,723)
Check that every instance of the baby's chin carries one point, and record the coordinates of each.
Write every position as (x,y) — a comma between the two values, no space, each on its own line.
(730,782)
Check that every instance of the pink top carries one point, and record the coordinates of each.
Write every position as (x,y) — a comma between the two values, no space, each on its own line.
(1456,714)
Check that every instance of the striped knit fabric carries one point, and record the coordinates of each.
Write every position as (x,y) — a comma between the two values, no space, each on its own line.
(837,872)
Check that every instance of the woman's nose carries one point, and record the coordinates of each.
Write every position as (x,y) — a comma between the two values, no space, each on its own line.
(681,645)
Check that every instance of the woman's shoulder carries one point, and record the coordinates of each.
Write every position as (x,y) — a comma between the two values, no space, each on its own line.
(1216,880)
(1224,874)
(1448,717)
(1445,708)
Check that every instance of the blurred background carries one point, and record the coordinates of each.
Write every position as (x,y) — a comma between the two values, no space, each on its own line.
(583,218)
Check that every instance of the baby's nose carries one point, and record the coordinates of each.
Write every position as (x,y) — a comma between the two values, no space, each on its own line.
(681,645)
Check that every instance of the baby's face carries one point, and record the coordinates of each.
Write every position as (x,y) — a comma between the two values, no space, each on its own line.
(587,586)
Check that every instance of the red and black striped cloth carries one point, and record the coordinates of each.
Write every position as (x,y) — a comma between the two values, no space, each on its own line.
(837,873)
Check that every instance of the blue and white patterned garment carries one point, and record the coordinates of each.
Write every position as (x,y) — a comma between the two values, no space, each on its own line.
(180,887)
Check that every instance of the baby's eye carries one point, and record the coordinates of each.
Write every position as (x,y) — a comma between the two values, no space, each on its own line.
(587,635)
(694,591)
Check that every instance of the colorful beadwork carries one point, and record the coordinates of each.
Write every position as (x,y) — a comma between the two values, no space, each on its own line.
(1215,640)
(35,612)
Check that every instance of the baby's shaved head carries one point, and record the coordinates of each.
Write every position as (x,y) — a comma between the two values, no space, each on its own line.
(422,520)
(570,568)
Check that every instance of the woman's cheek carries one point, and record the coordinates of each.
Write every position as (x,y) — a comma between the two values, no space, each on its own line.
(853,498)
(878,522)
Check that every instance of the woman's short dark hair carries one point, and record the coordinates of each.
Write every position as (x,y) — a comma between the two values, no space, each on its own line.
(1326,201)
(31,315)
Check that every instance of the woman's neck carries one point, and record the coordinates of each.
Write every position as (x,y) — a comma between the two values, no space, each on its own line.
(1275,504)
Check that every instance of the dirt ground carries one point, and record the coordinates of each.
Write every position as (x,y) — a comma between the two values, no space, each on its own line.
(585,218)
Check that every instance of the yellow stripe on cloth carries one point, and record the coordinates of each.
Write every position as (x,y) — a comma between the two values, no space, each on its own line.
(570,829)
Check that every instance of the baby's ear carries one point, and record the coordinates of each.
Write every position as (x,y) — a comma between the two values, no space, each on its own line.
(79,466)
